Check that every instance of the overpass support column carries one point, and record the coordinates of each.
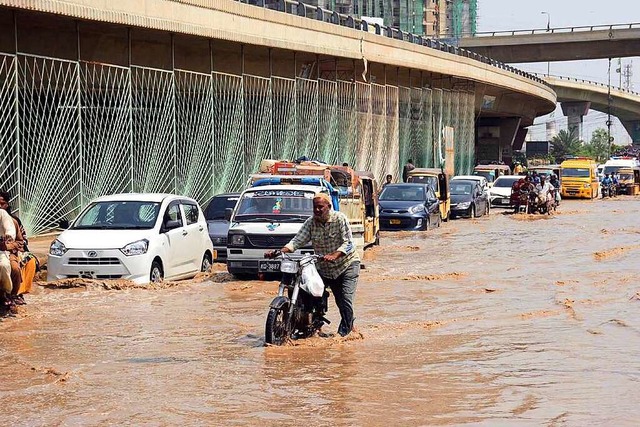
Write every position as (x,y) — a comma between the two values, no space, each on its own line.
(575,111)
(633,127)
(496,138)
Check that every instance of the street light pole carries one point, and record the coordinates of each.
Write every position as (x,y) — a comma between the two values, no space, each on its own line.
(609,111)
(548,29)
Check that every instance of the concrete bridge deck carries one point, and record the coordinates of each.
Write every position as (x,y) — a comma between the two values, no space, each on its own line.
(558,44)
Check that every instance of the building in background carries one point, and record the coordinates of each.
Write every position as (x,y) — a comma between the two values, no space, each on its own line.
(434,18)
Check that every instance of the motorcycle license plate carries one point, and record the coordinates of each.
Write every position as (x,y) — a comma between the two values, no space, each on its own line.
(268,266)
(394,221)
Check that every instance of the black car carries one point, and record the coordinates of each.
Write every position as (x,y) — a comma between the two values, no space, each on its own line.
(217,224)
(468,199)
(408,207)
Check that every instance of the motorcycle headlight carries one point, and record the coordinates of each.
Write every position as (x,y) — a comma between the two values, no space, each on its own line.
(237,239)
(57,248)
(416,209)
(136,248)
(464,205)
(289,266)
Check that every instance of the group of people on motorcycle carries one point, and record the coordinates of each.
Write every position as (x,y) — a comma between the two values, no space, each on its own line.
(609,185)
(536,193)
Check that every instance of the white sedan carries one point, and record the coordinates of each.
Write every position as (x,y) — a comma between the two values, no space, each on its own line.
(140,237)
(500,193)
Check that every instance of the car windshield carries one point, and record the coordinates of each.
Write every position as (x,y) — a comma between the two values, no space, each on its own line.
(431,181)
(460,189)
(118,215)
(575,172)
(488,175)
(218,205)
(402,193)
(275,204)
(506,182)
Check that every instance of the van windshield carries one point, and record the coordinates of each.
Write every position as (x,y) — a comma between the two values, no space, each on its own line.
(275,205)
(118,215)
(576,173)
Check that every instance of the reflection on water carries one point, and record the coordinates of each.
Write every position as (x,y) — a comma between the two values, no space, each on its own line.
(500,320)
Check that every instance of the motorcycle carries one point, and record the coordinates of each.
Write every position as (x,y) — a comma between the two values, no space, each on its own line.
(295,313)
(608,190)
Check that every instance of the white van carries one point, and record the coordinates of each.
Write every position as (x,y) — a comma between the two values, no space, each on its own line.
(614,163)
(267,217)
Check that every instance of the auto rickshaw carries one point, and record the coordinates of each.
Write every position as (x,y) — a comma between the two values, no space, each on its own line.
(439,181)
(629,181)
(492,171)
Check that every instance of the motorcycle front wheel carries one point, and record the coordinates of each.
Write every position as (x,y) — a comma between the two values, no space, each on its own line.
(276,330)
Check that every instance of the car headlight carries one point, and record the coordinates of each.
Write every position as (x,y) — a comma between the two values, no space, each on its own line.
(464,205)
(136,248)
(237,239)
(416,209)
(57,248)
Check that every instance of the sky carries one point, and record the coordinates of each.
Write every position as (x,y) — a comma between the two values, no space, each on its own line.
(497,15)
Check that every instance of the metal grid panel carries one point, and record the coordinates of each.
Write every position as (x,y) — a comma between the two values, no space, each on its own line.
(404,120)
(307,118)
(438,126)
(389,149)
(154,151)
(50,161)
(257,122)
(9,172)
(347,121)
(377,148)
(328,145)
(194,135)
(228,112)
(428,124)
(106,130)
(364,120)
(283,93)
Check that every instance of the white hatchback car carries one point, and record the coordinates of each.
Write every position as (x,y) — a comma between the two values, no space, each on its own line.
(140,237)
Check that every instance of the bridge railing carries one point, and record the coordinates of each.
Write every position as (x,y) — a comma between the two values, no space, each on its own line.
(325,15)
(590,82)
(560,30)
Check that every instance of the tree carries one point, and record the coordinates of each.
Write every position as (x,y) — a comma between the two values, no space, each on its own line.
(598,146)
(565,144)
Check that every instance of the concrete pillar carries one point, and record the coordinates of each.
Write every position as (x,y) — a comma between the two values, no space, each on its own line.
(575,111)
(633,127)
(496,137)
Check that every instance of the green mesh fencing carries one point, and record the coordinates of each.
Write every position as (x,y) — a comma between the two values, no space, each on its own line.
(347,122)
(427,146)
(377,149)
(283,123)
(307,118)
(437,103)
(194,135)
(328,143)
(228,133)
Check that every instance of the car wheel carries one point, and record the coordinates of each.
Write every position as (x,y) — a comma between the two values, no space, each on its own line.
(472,211)
(488,210)
(427,224)
(206,262)
(156,275)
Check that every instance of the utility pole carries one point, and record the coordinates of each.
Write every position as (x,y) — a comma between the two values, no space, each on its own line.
(627,73)
(609,111)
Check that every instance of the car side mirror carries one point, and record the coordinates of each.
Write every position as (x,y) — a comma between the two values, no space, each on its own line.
(63,224)
(172,224)
(227,214)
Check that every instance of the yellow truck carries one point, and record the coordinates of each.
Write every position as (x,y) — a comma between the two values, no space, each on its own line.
(579,178)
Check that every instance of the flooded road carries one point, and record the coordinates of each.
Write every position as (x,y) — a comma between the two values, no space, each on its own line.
(509,320)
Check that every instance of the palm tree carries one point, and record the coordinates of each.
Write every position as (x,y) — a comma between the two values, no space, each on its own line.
(565,144)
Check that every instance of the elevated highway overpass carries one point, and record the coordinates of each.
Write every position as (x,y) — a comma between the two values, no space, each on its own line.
(578,96)
(188,96)
(557,44)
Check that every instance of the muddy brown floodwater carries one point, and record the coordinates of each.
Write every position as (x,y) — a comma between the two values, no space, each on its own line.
(499,320)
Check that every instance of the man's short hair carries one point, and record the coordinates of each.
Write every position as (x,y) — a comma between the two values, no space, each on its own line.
(325,197)
(5,195)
